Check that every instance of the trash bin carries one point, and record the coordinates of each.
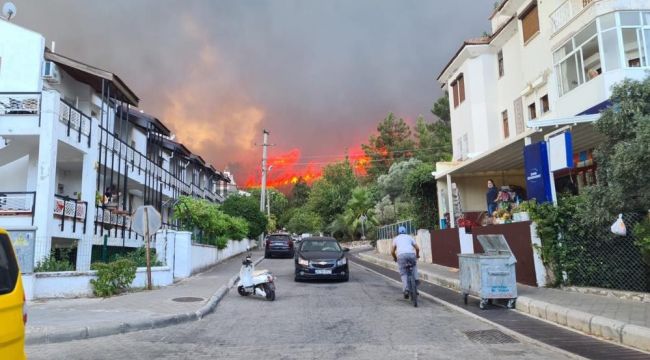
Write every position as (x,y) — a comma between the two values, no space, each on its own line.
(490,275)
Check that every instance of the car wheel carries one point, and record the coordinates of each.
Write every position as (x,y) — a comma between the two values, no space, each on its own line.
(296,279)
(346,278)
(267,255)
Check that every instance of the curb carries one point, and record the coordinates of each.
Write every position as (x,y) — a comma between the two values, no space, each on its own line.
(605,328)
(89,332)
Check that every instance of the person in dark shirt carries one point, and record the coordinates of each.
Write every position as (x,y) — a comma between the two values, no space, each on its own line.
(491,197)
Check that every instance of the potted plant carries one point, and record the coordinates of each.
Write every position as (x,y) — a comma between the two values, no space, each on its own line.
(521,211)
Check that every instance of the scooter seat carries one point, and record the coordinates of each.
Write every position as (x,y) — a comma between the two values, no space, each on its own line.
(260,272)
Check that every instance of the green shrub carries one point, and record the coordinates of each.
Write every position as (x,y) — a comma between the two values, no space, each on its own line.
(52,264)
(114,277)
(139,257)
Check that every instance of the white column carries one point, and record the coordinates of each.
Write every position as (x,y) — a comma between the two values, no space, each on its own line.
(450,199)
(46,176)
(183,254)
(88,189)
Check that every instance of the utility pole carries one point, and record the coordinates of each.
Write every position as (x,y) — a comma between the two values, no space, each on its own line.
(268,198)
(263,192)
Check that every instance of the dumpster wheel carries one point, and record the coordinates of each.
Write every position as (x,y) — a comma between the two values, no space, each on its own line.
(483,304)
(465,298)
(511,303)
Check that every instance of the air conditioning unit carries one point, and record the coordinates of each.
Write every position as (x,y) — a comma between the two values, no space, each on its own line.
(51,73)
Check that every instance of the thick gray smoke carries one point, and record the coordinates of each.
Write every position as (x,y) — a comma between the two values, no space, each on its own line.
(318,74)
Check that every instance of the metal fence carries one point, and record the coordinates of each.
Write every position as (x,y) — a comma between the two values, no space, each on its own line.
(390,231)
(595,257)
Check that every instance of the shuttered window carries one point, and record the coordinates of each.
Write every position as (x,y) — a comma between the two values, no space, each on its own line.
(504,124)
(530,22)
(458,90)
(454,91)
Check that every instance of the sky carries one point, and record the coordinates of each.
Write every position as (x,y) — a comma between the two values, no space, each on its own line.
(319,75)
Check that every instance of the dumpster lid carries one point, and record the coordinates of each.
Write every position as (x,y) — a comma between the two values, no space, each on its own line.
(495,244)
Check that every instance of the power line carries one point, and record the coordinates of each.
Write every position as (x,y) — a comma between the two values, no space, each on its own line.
(343,156)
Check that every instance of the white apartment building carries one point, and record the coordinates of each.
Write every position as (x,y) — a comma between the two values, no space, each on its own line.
(546,64)
(77,157)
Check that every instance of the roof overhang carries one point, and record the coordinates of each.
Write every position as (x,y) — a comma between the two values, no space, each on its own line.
(145,121)
(509,157)
(93,76)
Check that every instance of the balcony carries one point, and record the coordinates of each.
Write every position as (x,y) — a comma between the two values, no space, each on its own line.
(119,156)
(70,211)
(18,203)
(20,103)
(567,11)
(77,123)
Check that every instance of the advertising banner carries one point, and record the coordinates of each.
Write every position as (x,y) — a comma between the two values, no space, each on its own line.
(538,181)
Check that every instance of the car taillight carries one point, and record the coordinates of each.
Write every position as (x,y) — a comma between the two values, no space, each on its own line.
(24,309)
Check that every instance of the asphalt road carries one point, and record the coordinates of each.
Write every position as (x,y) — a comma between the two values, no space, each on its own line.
(365,318)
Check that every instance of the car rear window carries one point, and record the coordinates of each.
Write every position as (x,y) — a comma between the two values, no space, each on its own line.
(279,238)
(321,245)
(8,266)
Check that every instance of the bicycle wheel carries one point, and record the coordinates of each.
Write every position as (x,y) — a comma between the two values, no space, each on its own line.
(413,289)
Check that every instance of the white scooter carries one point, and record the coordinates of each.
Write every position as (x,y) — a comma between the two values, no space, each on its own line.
(251,282)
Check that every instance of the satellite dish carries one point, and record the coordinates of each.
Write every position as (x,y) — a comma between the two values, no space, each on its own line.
(8,10)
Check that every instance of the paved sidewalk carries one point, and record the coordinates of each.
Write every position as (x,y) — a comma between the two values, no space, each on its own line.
(619,320)
(65,319)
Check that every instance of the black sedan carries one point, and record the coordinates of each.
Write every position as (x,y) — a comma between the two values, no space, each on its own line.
(321,258)
(279,244)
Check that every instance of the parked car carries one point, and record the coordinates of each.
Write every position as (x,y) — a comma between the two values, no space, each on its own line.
(279,244)
(12,303)
(321,258)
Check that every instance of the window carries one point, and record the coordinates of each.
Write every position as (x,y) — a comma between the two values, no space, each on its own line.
(543,104)
(532,112)
(578,60)
(632,39)
(8,266)
(458,90)
(530,22)
(504,124)
(500,61)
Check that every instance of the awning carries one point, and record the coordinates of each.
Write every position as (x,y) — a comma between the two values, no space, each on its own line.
(93,76)
(509,156)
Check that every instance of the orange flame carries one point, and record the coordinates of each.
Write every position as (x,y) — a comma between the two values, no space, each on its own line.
(286,169)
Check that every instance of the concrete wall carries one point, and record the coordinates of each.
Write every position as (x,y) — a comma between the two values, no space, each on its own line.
(423,239)
(13,175)
(204,256)
(21,51)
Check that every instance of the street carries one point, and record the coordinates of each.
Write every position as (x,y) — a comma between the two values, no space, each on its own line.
(365,318)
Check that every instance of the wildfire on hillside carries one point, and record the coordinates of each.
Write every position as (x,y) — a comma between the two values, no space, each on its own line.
(288,168)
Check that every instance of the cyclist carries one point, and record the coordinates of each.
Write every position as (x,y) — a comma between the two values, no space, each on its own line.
(405,251)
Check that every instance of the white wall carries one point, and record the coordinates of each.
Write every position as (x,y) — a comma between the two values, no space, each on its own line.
(204,256)
(21,51)
(71,181)
(66,284)
(13,175)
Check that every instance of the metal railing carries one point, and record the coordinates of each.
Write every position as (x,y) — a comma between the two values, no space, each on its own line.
(18,203)
(75,120)
(113,217)
(390,231)
(566,12)
(20,103)
(69,208)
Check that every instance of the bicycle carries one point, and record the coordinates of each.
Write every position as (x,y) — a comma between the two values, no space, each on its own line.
(412,284)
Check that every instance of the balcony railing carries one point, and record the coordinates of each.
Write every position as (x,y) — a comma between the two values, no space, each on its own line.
(567,11)
(114,147)
(71,209)
(76,121)
(17,203)
(20,103)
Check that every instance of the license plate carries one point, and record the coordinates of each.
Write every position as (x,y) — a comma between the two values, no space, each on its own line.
(324,272)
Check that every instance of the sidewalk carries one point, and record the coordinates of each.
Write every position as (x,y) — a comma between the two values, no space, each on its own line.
(59,320)
(622,321)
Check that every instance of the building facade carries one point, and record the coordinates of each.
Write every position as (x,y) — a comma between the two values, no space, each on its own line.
(546,65)
(77,157)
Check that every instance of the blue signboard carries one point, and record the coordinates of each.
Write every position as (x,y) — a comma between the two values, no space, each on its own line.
(538,182)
